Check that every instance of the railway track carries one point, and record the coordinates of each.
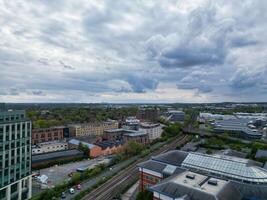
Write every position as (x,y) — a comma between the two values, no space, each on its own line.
(116,184)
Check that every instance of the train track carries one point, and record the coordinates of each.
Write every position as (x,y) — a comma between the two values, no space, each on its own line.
(116,184)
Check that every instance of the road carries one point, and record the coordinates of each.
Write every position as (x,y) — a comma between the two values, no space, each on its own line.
(116,184)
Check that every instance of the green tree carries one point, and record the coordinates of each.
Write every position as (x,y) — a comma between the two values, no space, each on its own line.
(133,148)
(146,195)
(76,178)
(84,149)
(172,130)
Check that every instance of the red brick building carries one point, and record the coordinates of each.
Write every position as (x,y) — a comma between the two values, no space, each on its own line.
(148,179)
(153,171)
(47,134)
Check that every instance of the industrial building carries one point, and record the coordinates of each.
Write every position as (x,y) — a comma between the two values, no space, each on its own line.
(94,150)
(59,156)
(100,148)
(41,135)
(182,175)
(15,155)
(47,147)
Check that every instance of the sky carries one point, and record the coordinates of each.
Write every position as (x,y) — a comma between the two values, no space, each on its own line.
(121,51)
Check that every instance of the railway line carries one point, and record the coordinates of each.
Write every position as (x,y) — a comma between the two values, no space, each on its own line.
(116,184)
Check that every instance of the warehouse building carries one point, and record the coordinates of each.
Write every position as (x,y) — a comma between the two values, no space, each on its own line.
(41,135)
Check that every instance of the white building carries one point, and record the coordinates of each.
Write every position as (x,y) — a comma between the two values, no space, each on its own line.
(203,117)
(154,131)
(46,147)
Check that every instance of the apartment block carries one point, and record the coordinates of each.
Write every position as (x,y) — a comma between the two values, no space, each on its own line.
(153,131)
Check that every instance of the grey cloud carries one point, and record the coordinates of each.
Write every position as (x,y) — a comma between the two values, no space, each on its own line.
(38,93)
(201,88)
(66,66)
(245,80)
(141,84)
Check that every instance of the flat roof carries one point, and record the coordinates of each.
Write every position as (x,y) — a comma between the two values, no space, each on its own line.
(77,142)
(231,167)
(135,134)
(261,153)
(54,155)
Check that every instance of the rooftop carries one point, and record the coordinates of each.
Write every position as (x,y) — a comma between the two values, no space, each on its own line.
(194,186)
(135,134)
(261,153)
(77,142)
(232,168)
(54,155)
(110,144)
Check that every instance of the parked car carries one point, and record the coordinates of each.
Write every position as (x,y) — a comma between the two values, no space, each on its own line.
(72,191)
(63,195)
(78,187)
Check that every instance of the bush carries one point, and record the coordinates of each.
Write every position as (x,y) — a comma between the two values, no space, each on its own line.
(146,195)
(172,130)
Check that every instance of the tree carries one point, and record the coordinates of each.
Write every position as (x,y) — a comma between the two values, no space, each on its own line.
(84,149)
(146,195)
(133,148)
(172,130)
(76,178)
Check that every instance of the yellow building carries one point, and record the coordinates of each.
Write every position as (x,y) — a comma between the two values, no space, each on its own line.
(92,129)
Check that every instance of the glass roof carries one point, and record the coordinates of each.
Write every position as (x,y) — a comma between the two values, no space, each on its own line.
(226,166)
(169,169)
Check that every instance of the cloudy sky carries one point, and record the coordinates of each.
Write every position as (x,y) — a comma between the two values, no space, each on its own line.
(133,51)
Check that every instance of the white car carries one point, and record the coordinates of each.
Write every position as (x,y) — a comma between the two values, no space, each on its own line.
(72,191)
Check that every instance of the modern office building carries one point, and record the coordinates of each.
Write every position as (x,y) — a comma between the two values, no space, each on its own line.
(167,175)
(241,128)
(15,155)
(92,129)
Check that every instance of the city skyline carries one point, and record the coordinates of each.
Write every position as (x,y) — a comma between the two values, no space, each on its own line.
(133,51)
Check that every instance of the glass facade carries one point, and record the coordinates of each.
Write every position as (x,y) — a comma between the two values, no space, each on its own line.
(15,149)
(227,167)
